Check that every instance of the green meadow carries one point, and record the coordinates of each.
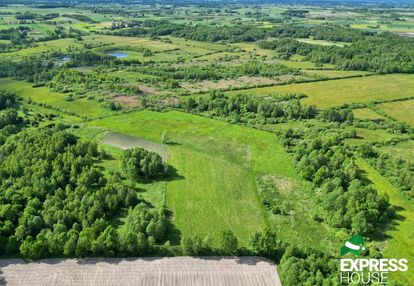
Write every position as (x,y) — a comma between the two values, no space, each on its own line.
(400,110)
(203,201)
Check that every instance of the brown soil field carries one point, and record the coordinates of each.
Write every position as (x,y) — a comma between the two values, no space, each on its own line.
(172,271)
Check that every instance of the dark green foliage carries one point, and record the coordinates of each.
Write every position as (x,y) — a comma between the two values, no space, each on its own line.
(384,53)
(307,268)
(55,201)
(248,108)
(196,246)
(265,244)
(229,243)
(140,163)
(345,200)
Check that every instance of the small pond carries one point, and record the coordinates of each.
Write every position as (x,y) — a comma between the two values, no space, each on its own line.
(118,55)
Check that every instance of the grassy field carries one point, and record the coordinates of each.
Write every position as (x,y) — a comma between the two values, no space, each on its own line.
(335,73)
(203,201)
(82,107)
(400,234)
(366,113)
(400,110)
(326,94)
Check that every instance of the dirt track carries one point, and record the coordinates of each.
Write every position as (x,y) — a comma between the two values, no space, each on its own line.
(177,271)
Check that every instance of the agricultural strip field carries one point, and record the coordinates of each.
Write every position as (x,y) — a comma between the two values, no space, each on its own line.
(82,107)
(203,201)
(326,94)
(204,271)
(400,110)
(399,242)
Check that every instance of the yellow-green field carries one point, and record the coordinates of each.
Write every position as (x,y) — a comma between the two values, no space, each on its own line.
(400,110)
(326,94)
(366,113)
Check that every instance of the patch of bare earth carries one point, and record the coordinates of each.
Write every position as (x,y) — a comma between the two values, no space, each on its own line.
(241,82)
(281,183)
(130,101)
(174,271)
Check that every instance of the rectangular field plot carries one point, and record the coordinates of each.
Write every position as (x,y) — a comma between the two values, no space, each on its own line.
(326,94)
(400,110)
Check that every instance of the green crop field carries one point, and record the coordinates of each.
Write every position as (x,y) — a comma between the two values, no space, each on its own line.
(332,93)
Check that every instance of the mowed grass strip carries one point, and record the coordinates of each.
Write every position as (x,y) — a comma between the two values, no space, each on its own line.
(82,107)
(331,93)
(400,110)
(400,236)
(216,165)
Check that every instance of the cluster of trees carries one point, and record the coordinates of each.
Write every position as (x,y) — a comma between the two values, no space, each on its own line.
(97,82)
(236,33)
(383,53)
(34,69)
(9,117)
(400,172)
(307,267)
(79,17)
(18,38)
(139,163)
(215,72)
(54,200)
(345,199)
(248,108)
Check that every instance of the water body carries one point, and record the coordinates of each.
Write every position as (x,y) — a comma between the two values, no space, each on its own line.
(118,55)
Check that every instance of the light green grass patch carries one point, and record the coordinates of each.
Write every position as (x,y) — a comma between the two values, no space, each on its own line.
(335,73)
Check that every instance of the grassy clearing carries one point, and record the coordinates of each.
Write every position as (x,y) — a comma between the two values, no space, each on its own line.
(82,107)
(366,113)
(326,94)
(404,150)
(321,42)
(400,110)
(205,202)
(367,136)
(399,242)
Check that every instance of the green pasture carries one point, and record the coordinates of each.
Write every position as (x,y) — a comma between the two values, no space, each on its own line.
(330,93)
(335,73)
